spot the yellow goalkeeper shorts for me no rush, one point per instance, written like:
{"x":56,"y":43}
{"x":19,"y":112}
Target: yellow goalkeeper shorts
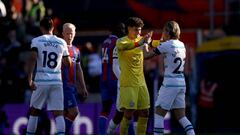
{"x":136,"y":98}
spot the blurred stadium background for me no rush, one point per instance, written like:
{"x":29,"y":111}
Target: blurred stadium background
{"x":210,"y":30}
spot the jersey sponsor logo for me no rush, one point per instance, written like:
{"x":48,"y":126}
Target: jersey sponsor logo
{"x":74,"y":59}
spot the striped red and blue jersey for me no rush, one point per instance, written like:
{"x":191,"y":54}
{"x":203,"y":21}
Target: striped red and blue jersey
{"x":107,"y":58}
{"x":69,"y":73}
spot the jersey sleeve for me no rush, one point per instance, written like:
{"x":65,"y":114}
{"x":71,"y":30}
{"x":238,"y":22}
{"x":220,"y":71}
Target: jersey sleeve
{"x":78,"y":57}
{"x":155,"y":43}
{"x":33,"y":43}
{"x":115,"y":66}
{"x":125,"y":44}
{"x":162,"y":48}
{"x":115,"y":54}
{"x":34,"y":46}
{"x":65,"y":49}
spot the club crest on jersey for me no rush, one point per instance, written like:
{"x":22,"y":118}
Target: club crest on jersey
{"x":73,"y":59}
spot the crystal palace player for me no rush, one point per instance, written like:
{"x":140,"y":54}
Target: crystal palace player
{"x":108,"y":78}
{"x":73,"y":79}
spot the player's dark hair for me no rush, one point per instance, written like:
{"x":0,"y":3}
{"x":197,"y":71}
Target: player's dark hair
{"x":134,"y":22}
{"x":118,"y":29}
{"x":173,"y":29}
{"x":46,"y":23}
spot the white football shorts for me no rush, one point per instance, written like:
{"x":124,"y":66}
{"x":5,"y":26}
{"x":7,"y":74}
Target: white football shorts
{"x":171,"y":97}
{"x":51,"y":95}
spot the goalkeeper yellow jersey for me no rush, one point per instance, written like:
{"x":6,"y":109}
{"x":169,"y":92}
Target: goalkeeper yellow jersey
{"x":130,"y":62}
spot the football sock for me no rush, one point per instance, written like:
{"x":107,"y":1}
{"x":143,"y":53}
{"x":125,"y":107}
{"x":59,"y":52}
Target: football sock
{"x":142,"y":125}
{"x":68,"y":123}
{"x":186,"y":124}
{"x":60,"y":124}
{"x":32,"y":125}
{"x":158,"y":124}
{"x":124,"y":126}
{"x":102,"y":125}
{"x":131,"y":130}
{"x":111,"y":127}
{"x":135,"y":126}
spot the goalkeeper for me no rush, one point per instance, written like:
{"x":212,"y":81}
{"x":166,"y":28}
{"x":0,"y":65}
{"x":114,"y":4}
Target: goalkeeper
{"x":134,"y":94}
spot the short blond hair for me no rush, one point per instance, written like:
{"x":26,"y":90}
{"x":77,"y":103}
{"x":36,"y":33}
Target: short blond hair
{"x":69,"y":25}
{"x":173,"y":29}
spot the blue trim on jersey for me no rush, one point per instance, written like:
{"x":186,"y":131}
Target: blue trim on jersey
{"x":172,"y":85}
{"x":30,"y":133}
{"x":41,"y":80}
{"x":49,"y":71}
{"x":174,"y":76}
{"x":178,"y":47}
{"x":53,"y":42}
{"x":61,"y":133}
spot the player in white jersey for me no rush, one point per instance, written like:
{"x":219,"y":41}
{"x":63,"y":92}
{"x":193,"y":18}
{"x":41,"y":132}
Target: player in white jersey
{"x":119,"y":114}
{"x":116,"y":70}
{"x":172,"y":92}
{"x":48,"y":52}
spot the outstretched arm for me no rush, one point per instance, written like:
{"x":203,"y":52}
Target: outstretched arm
{"x":128,"y":45}
{"x":150,"y":54}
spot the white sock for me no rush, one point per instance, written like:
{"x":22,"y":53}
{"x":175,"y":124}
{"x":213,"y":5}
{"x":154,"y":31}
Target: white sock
{"x":60,"y":124}
{"x":158,"y":124}
{"x":186,"y":124}
{"x":32,"y":124}
{"x":135,"y":127}
{"x":111,"y":127}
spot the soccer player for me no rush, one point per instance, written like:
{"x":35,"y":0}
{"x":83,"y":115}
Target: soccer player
{"x":73,"y":79}
{"x":134,"y":94}
{"x":48,"y":52}
{"x":108,"y":78}
{"x":118,"y":114}
{"x":115,"y":121}
{"x":172,"y":92}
